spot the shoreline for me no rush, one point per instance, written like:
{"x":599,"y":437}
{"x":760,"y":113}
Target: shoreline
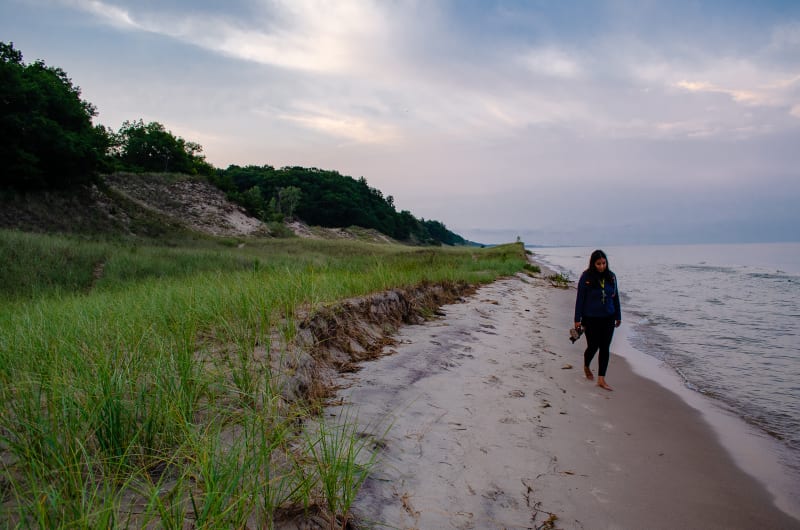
{"x":752,"y":450}
{"x":494,"y":426}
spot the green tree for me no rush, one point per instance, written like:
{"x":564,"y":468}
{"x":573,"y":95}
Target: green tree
{"x":439,"y":232}
{"x":406,"y":225}
{"x":253,"y":201}
{"x":288,"y":199}
{"x":47,"y":139}
{"x":151,"y":147}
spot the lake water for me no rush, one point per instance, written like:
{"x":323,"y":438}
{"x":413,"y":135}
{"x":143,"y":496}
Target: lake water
{"x":726,"y":318}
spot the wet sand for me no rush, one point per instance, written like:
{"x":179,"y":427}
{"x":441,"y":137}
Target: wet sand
{"x":493,"y":425}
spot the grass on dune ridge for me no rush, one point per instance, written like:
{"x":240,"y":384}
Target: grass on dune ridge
{"x":136,"y":389}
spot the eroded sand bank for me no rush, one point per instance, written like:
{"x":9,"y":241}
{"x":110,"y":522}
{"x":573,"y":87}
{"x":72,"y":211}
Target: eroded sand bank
{"x":492,"y":428}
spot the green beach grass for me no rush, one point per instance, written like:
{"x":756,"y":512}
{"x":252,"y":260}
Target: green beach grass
{"x":135,"y":389}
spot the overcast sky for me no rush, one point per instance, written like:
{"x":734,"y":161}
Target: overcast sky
{"x":563,"y":122}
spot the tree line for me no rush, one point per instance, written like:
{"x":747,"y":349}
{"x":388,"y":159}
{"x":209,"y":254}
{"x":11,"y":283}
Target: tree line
{"x":48,"y":141}
{"x":327,"y":198}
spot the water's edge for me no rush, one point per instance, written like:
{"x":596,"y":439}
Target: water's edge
{"x":755,"y":452}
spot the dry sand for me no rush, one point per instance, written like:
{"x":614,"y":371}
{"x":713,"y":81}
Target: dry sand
{"x":493,"y":425}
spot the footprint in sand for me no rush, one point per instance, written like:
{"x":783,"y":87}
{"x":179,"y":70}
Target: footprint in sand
{"x":500,"y":497}
{"x":599,"y":495}
{"x":493,"y":380}
{"x":614,"y":467}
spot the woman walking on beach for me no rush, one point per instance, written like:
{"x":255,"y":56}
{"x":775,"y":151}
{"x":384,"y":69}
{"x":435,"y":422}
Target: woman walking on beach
{"x":598,"y":312}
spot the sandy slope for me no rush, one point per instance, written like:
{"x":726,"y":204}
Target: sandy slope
{"x":492,"y":428}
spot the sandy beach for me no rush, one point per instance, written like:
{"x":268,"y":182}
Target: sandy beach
{"x":492,"y":424}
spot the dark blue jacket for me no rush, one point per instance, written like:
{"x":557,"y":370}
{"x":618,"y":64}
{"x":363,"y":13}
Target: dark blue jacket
{"x":592,"y":303}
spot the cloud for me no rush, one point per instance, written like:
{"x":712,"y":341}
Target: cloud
{"x":422,"y":75}
{"x":115,"y":16}
{"x":306,"y":35}
{"x":326,"y":37}
{"x":785,"y":37}
{"x":738,"y":95}
{"x":765,"y":90}
{"x":339,"y":125}
{"x":550,"y":62}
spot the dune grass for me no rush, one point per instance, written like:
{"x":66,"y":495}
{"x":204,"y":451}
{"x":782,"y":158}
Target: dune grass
{"x":135,"y":389}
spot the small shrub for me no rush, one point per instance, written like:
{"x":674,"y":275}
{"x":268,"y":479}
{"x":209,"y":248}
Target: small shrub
{"x":280,"y":230}
{"x":559,"y":280}
{"x":532,"y":268}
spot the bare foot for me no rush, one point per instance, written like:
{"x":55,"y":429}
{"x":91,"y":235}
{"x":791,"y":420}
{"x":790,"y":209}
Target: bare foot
{"x":588,"y":372}
{"x":601,"y":382}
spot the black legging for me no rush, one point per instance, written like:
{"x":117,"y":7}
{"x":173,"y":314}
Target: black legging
{"x":599,"y":332}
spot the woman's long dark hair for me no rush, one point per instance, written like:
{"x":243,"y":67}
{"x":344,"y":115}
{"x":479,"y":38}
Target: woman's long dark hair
{"x":593,"y":273}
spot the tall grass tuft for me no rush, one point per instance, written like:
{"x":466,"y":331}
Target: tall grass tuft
{"x":343,"y":458}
